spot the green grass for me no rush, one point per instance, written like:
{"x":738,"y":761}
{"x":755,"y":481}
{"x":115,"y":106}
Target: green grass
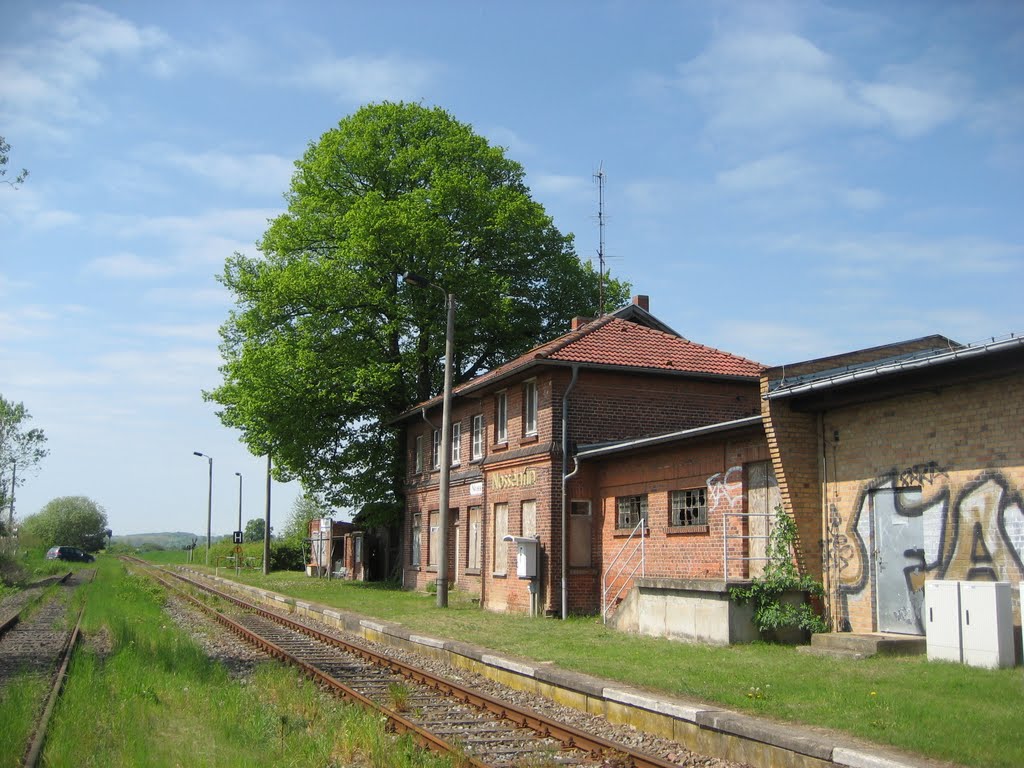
{"x":141,"y":693}
{"x":930,"y":708}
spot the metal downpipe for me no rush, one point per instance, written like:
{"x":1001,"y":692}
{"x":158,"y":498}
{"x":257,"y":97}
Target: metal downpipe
{"x":565,"y":482}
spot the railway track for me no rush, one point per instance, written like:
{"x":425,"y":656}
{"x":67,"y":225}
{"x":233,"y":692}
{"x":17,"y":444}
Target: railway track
{"x":479,"y":730}
{"x":37,"y":640}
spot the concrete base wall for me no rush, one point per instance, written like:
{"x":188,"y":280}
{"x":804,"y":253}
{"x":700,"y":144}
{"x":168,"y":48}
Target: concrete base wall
{"x":685,"y":609}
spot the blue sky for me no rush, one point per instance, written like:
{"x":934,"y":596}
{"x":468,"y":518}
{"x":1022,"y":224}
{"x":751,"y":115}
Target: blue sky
{"x":785,"y":180}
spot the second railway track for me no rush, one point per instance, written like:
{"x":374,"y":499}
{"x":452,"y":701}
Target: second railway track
{"x":440,"y":714}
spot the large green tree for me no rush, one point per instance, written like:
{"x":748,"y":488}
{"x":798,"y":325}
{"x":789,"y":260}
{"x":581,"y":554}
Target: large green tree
{"x":68,"y":520}
{"x":327,"y":342}
{"x":21,"y":448}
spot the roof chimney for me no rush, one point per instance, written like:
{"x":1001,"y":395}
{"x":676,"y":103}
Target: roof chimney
{"x":644,"y":302}
{"x":578,"y":322}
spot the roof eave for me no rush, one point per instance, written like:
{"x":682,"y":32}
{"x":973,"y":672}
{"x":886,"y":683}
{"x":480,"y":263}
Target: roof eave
{"x":599,"y":450}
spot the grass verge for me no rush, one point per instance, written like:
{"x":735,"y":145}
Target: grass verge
{"x":907,"y":703}
{"x":141,"y":693}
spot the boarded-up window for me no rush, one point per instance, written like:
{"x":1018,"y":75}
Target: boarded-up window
{"x":580,"y":534}
{"x":530,"y":518}
{"x":475,"y":517}
{"x":762,"y":499}
{"x":500,"y":532}
{"x":416,"y":540}
{"x":432,"y":544}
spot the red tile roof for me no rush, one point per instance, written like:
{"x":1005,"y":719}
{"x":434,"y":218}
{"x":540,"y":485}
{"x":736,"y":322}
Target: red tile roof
{"x":622,"y":343}
{"x":610,"y":341}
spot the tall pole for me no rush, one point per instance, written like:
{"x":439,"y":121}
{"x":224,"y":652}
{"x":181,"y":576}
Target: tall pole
{"x":266,"y":526}
{"x":209,"y":503}
{"x":239,"y":501}
{"x":14,"y":480}
{"x":446,"y":456}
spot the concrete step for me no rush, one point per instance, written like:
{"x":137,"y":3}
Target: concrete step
{"x":868,"y":644}
{"x":835,"y":653}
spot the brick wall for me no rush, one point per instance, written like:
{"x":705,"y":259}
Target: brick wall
{"x":962,"y":447}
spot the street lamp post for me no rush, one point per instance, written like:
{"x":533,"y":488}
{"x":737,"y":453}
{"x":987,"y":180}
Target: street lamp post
{"x":209,"y":503}
{"x":446,"y":437}
{"x":239,"y":500}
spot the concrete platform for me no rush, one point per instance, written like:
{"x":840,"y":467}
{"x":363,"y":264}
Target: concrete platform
{"x":704,"y":728}
{"x":849,"y":645}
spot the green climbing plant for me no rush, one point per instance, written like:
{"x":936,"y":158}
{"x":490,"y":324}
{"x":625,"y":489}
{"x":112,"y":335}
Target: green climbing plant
{"x":780,"y":577}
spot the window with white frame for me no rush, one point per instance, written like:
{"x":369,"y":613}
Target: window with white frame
{"x":417,"y":541}
{"x":501,"y":417}
{"x":477,"y":449}
{"x":456,"y":443}
{"x":475,"y":543}
{"x":631,"y":510}
{"x":418,"y":459}
{"x":530,"y":408}
{"x":432,"y":543}
{"x":500,"y":532}
{"x":688,"y":508}
{"x":435,"y":453}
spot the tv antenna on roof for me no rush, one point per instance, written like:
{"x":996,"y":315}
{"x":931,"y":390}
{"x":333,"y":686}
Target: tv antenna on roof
{"x":599,"y":176}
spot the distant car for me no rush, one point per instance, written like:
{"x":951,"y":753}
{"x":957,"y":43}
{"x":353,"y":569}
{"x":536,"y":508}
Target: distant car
{"x":71,"y":554}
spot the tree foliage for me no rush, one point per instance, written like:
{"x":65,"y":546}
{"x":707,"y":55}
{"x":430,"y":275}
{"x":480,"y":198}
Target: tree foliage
{"x":305,"y":508}
{"x":20,"y":445}
{"x":254,"y":529}
{"x":5,"y":151}
{"x":68,"y":520}
{"x":327,"y":343}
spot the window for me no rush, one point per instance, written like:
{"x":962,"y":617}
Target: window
{"x":416,"y":541}
{"x":435,"y":461}
{"x":418,"y":460}
{"x":530,"y":518}
{"x":456,"y":443}
{"x":475,"y":516}
{"x":530,"y":408}
{"x":432,"y":542}
{"x":477,"y":450}
{"x":501,"y":417}
{"x":580,"y":534}
{"x":632,"y":509}
{"x":688,"y":508}
{"x":357,"y":549}
{"x":500,"y":532}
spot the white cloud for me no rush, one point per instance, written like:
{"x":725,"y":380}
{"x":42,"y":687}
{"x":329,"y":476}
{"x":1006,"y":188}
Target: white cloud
{"x":208,"y":332}
{"x":257,"y":174}
{"x":550,"y":184}
{"x":777,"y":86}
{"x":366,"y":78}
{"x":128,"y":266}
{"x":782,"y":169}
{"x":861,"y":198}
{"x":45,"y":84}
{"x":512,"y":141}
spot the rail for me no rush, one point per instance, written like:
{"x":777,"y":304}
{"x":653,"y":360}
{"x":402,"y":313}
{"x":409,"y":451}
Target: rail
{"x":606,"y":586}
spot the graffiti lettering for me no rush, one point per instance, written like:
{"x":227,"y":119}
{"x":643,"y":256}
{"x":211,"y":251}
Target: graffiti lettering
{"x":920,"y":474}
{"x":978,"y":536}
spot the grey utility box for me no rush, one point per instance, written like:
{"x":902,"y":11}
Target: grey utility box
{"x":526,"y":556}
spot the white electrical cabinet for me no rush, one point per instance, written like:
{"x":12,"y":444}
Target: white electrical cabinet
{"x":986,"y":615}
{"x":969,"y":622}
{"x":942,"y":620}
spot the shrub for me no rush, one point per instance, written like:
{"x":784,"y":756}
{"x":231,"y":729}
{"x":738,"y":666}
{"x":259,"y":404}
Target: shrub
{"x":781,"y":577}
{"x":286,"y":556}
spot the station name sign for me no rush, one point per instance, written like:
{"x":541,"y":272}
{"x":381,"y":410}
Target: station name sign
{"x":522,"y":479}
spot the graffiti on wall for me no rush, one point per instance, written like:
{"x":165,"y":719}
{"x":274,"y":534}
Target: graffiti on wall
{"x":725,"y":490}
{"x":921,"y":527}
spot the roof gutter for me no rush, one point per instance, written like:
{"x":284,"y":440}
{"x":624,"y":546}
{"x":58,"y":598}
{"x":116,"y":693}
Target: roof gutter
{"x":605,"y":449}
{"x":893,"y":368}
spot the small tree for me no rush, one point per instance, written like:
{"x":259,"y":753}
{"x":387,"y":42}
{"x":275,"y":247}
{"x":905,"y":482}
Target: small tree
{"x":21,"y":448}
{"x":5,"y":150}
{"x":254,"y":529}
{"x":305,"y":508}
{"x":780,"y":577}
{"x":68,"y":520}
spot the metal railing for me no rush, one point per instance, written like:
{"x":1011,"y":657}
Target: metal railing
{"x":606,"y":586}
{"x":746,"y":539}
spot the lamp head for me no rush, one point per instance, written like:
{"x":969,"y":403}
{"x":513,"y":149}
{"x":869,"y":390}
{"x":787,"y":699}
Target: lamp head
{"x":415,"y":279}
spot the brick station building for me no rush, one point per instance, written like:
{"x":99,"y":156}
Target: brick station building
{"x":657,"y":428}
